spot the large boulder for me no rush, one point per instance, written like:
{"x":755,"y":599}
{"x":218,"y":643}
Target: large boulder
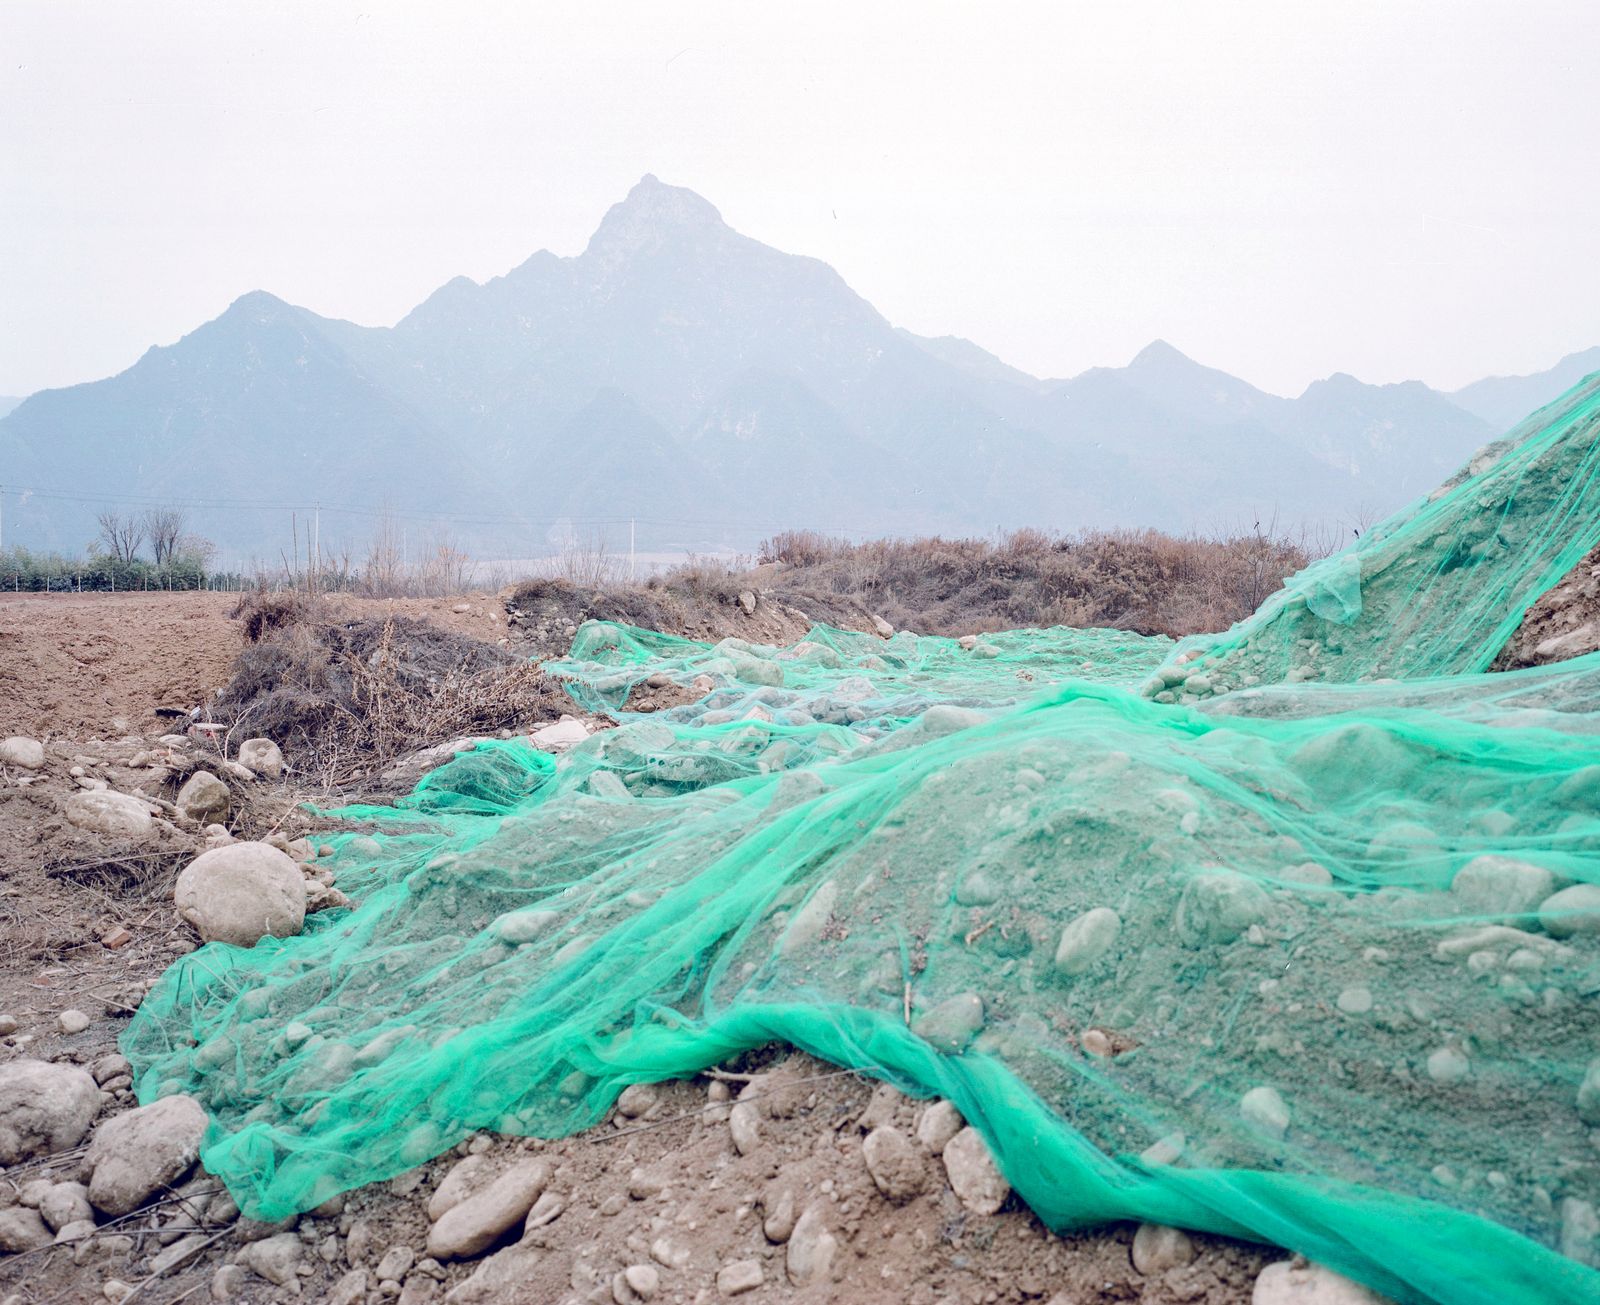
{"x":44,"y":1108}
{"x":242,"y":893}
{"x":21,"y":751}
{"x":1499,"y":889}
{"x":137,"y":1155}
{"x":204,"y":798}
{"x":263,"y":756}
{"x":477,"y":1223}
{"x":115,"y":815}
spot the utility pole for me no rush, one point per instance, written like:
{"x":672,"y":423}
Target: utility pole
{"x":630,"y":548}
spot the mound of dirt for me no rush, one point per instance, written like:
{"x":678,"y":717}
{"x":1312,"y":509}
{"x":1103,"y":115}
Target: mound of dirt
{"x":545,"y":614}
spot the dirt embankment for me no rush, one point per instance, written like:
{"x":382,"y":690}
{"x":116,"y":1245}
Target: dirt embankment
{"x":709,"y":605}
{"x":1565,"y":623}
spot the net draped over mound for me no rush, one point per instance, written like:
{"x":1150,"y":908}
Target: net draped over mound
{"x":1436,"y":589}
{"x":1311,"y":963}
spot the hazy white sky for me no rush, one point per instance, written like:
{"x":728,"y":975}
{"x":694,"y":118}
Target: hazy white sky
{"x":1279,"y":189}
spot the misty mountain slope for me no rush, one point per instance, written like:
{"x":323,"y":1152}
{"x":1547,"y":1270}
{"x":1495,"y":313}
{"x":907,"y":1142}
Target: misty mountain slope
{"x":710,"y":387}
{"x":775,"y":445}
{"x":1503,"y":401}
{"x":1212,"y":469}
{"x":256,"y":405}
{"x":1393,"y":440}
{"x":572,"y":475}
{"x":1191,"y":390}
{"x":974,"y":360}
{"x":667,"y":303}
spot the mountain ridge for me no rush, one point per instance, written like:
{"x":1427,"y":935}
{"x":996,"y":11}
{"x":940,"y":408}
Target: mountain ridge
{"x":749,"y":390}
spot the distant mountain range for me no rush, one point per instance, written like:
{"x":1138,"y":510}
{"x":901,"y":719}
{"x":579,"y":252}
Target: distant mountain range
{"x":713,"y":390}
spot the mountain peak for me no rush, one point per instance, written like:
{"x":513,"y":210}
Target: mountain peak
{"x":259,"y":306}
{"x":258,"y":301}
{"x":652,"y":212}
{"x":1158,"y":353}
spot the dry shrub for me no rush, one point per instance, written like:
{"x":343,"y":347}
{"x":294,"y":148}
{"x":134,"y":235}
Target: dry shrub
{"x":344,"y":697}
{"x":265,"y":611}
{"x":799,"y":547}
{"x":559,"y":602}
{"x":707,"y":579}
{"x":1140,"y":580}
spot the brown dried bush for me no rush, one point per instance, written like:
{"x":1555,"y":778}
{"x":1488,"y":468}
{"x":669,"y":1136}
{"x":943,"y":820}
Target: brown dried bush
{"x":1140,"y":580}
{"x":346,"y":697}
{"x":264,"y":610}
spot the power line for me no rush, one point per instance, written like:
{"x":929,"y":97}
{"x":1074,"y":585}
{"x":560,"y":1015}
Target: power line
{"x":380,"y":511}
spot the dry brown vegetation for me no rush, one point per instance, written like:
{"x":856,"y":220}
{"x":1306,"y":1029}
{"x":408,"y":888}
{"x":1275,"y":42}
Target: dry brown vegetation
{"x":341,"y":695}
{"x":1140,"y":580}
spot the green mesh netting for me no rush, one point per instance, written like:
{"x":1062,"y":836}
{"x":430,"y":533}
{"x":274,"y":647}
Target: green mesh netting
{"x":842,"y":677}
{"x":1311,"y":963}
{"x":1436,"y":589}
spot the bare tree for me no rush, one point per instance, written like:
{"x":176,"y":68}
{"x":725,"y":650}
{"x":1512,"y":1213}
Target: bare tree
{"x":587,"y":563}
{"x":444,"y":569}
{"x":383,"y":574}
{"x":165,"y":527}
{"x":121,"y":535}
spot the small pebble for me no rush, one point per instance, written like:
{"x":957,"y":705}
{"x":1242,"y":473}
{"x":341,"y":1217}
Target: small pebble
{"x":1448,"y":1065}
{"x":637,"y":1099}
{"x":739,"y":1277}
{"x":1157,"y":1247}
{"x":1265,"y":1109}
{"x":642,"y":1280}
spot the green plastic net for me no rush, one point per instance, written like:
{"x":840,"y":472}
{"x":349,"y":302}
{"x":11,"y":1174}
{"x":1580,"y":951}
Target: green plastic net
{"x":1434,"y":590}
{"x":1313,"y":963}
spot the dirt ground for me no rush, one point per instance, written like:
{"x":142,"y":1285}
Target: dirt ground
{"x":659,"y":1195}
{"x":86,"y":664}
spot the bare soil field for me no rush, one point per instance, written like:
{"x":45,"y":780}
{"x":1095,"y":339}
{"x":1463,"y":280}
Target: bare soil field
{"x":83,"y":664}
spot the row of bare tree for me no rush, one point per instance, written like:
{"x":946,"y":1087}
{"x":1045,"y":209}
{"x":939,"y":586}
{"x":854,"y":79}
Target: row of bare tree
{"x":123,"y":534}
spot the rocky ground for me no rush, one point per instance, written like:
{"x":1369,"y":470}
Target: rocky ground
{"x":125,"y":842}
{"x":1563,"y":624}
